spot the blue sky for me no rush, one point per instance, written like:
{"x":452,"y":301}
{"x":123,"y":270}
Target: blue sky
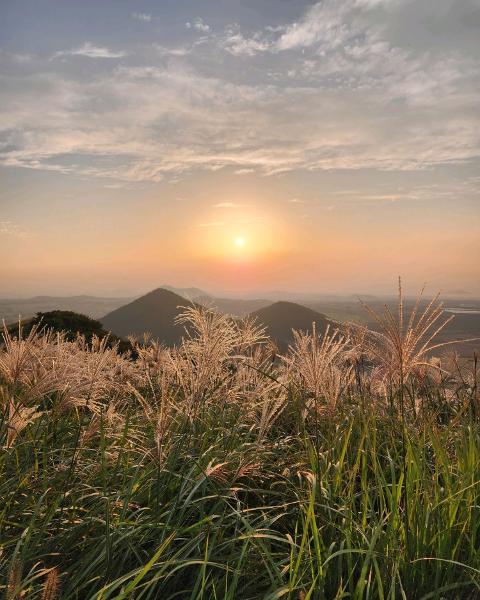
{"x":342,"y":135}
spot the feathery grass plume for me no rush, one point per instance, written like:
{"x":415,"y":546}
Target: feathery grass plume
{"x":152,"y":358}
{"x":401,"y":347}
{"x":158,"y":412}
{"x":217,"y":472}
{"x":318,"y":366}
{"x":24,"y":362}
{"x":51,"y":587}
{"x":15,"y":353}
{"x":250,"y":334}
{"x":248,"y":469}
{"x":256,"y":388}
{"x":14,"y":580}
{"x":94,"y":373}
{"x":269,"y":410}
{"x":200,"y":363}
{"x":18,"y":418}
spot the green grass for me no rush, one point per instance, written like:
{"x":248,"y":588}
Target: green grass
{"x":348,"y":507}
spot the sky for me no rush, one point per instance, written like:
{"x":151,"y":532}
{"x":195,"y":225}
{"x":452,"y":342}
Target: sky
{"x":240,"y":146}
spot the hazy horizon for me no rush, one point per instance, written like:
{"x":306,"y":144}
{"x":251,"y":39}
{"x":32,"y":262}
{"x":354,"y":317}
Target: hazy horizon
{"x":240,"y":147}
{"x":408,"y":292}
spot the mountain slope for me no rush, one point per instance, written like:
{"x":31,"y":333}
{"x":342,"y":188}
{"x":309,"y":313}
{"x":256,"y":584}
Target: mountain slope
{"x":281,"y":317}
{"x":153,"y":313}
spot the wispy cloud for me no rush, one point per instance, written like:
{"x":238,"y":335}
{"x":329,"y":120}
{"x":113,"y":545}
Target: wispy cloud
{"x":237,"y":44}
{"x":323,"y":22}
{"x":198,"y":24}
{"x":91,"y":51}
{"x":338,"y":91}
{"x":227,"y":205}
{"x":7,"y":228}
{"x":175,"y":51}
{"x":244,"y":171}
{"x":146,"y":17}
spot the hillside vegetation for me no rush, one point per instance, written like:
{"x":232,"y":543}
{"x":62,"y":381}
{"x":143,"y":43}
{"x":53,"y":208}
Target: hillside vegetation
{"x":346,"y":467}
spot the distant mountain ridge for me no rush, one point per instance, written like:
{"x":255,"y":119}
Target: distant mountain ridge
{"x":155,"y":313}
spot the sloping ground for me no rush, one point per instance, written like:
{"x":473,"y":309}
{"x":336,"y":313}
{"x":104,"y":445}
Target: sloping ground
{"x":154,"y":313}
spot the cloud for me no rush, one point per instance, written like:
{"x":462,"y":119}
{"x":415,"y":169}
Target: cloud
{"x":9,"y":229}
{"x":226,"y":205}
{"x":375,"y":3}
{"x":146,"y":17}
{"x":368,"y":102}
{"x":176,"y":51}
{"x":237,"y":44}
{"x":188,"y":121}
{"x":91,"y":51}
{"x":323,"y":22}
{"x":22,"y":58}
{"x":198,"y":24}
{"x":243,"y":171}
{"x":297,"y":201}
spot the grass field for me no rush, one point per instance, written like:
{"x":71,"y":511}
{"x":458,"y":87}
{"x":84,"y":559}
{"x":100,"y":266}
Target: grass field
{"x":348,"y":468}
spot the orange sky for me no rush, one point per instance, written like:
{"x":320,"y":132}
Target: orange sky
{"x":127,"y":246}
{"x":339,"y":139}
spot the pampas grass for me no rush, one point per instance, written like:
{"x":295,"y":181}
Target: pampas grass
{"x":347,"y":468}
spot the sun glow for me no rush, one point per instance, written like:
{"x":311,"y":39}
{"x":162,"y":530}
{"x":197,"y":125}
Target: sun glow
{"x":243,"y":237}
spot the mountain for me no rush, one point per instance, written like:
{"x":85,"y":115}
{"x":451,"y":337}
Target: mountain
{"x":281,"y":317}
{"x":153,"y":313}
{"x":93,"y":306}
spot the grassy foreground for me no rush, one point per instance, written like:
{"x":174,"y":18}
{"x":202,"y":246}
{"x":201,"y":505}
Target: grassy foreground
{"x":350,"y":468}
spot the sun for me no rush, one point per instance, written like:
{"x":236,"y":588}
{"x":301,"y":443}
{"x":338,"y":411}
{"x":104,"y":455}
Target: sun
{"x":240,"y":242}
